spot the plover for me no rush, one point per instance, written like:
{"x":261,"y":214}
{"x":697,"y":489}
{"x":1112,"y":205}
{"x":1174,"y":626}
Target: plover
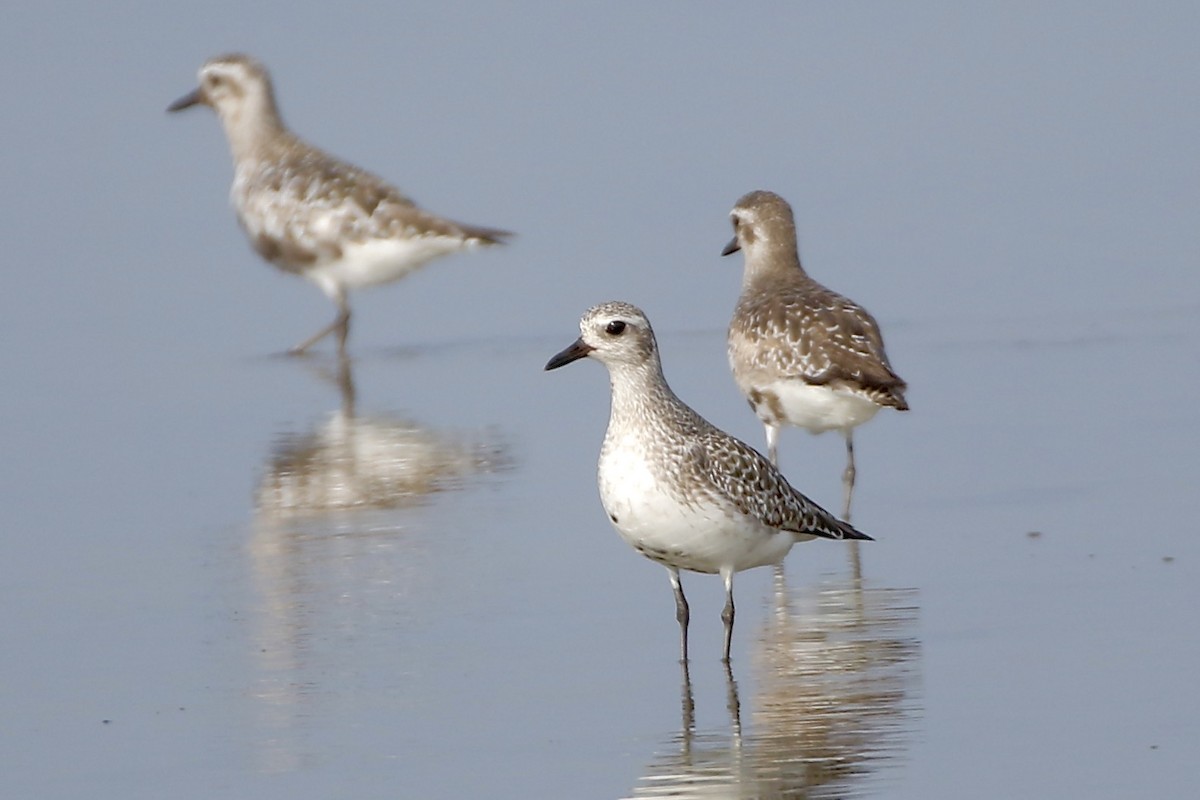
{"x":802,"y":354}
{"x":309,"y":213}
{"x":680,"y":491}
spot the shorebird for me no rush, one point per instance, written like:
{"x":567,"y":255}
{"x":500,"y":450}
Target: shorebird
{"x":680,"y":491}
{"x":801,"y":354}
{"x":311,"y":214}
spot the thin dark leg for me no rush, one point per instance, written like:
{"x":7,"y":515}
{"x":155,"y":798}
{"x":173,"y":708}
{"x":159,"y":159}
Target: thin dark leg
{"x":340,"y":325}
{"x":848,"y":476}
{"x":727,"y":613}
{"x":682,"y":614}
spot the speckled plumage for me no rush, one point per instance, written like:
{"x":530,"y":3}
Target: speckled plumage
{"x":801,"y":330}
{"x":679,"y":490}
{"x":309,"y":213}
{"x":802,"y":354}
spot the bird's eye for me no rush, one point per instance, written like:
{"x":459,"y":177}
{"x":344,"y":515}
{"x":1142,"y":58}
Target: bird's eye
{"x":214,"y":80}
{"x":615,"y":328}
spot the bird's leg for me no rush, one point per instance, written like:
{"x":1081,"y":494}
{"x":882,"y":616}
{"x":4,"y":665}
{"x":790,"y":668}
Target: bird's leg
{"x":727,"y":612}
{"x":682,"y":615}
{"x":343,"y":323}
{"x":301,"y":348}
{"x":772,"y":443}
{"x":773,"y":456}
{"x":848,"y":476}
{"x":340,"y":325}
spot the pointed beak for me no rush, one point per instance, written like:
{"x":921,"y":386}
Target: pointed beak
{"x":575,"y":352}
{"x":193,"y":98}
{"x":732,"y":247}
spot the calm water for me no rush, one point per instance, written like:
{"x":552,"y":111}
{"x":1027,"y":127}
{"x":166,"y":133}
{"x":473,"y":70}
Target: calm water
{"x":232,"y":574}
{"x":411,"y":590}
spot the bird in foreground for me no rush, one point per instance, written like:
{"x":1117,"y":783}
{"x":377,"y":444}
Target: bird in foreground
{"x":801,"y":354}
{"x":680,"y":491}
{"x":309,"y":213}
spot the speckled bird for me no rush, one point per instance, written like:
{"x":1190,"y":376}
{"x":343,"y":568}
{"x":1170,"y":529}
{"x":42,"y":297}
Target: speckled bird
{"x":802,"y":354}
{"x":311,"y":214}
{"x":680,"y":491}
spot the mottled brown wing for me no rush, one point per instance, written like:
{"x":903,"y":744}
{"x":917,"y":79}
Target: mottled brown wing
{"x":315,"y":202}
{"x":735,"y":473}
{"x":819,"y":337}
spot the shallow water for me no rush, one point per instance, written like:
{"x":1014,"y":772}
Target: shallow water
{"x":230,"y":573}
{"x":835,"y":671}
{"x":462,"y":619}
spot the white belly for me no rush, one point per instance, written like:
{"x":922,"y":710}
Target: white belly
{"x":701,"y":537}
{"x":379,"y":261}
{"x":814,"y":408}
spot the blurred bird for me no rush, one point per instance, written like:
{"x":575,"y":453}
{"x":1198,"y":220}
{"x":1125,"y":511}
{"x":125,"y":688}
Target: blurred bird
{"x":311,"y":214}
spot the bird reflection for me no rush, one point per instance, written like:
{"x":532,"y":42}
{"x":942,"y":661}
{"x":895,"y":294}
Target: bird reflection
{"x":366,"y":462}
{"x":833,"y":701}
{"x":329,"y":554}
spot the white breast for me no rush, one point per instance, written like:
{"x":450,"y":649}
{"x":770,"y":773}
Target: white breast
{"x":701,"y":536}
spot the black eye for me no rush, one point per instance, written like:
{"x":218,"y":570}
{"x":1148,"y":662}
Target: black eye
{"x":616,"y":327}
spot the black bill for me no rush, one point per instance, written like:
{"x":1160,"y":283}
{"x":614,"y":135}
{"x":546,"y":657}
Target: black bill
{"x":187,"y":101}
{"x":576,"y":351}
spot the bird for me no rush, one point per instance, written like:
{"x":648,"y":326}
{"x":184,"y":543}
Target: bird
{"x":676,"y":488}
{"x":309,"y":213}
{"x":802,"y":354}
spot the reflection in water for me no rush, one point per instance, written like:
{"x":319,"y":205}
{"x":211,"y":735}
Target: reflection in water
{"x":834,"y":700}
{"x":329,"y":556}
{"x":356,"y":462}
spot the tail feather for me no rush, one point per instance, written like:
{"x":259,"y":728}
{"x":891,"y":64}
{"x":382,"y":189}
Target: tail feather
{"x":827,"y":526}
{"x":850,"y":532}
{"x":898,"y":401}
{"x":485,"y":235}
{"x":890,"y":396}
